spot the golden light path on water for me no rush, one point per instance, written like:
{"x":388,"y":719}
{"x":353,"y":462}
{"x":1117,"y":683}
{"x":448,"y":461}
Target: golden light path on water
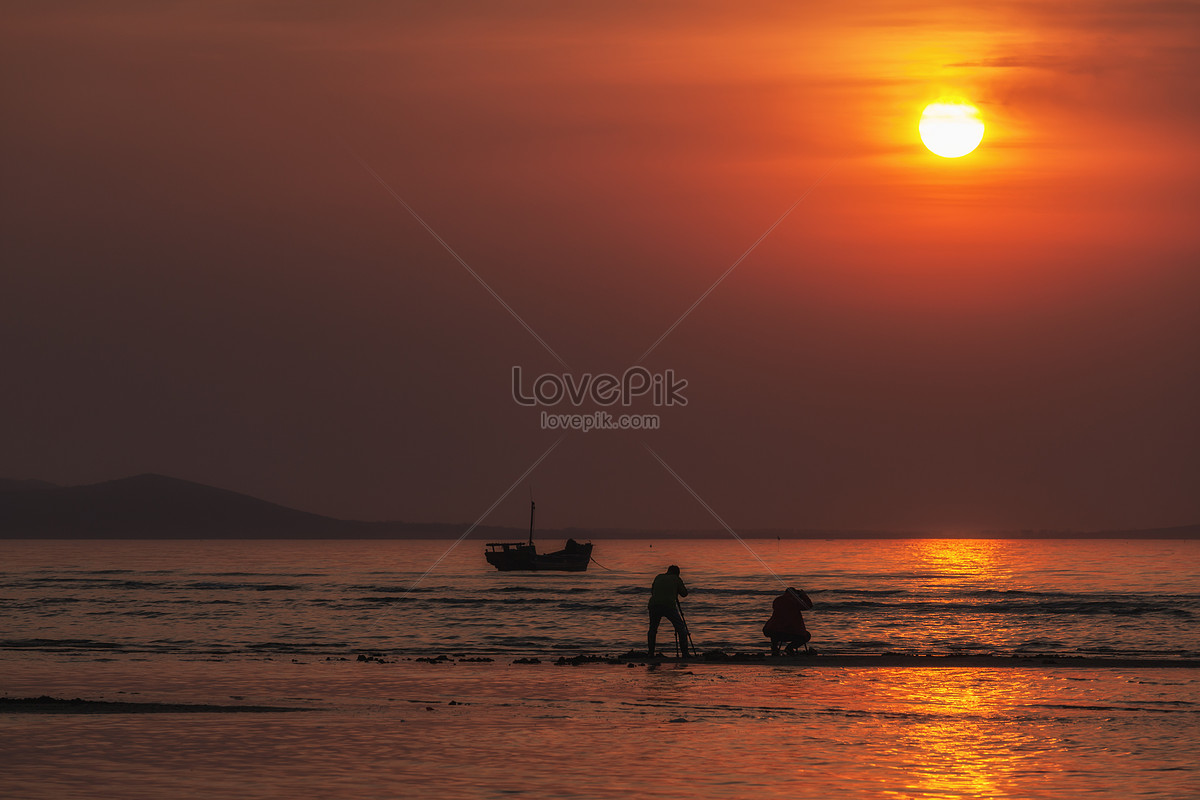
{"x":961,"y":756}
{"x":959,"y":560}
{"x":931,"y":733}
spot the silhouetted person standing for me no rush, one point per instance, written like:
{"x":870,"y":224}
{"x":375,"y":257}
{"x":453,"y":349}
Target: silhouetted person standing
{"x":664,"y":602}
{"x":786,"y":624}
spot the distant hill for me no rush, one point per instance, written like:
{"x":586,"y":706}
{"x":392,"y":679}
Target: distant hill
{"x":158,"y":507}
{"x":10,"y":485}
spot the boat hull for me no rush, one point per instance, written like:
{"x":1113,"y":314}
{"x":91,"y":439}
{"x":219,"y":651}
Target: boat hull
{"x":521,"y":557}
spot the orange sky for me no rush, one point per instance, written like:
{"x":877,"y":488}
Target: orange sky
{"x":201,"y":280}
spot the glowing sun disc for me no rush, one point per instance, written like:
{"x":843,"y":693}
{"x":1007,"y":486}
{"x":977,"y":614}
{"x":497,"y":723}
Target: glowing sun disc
{"x":951,"y":130}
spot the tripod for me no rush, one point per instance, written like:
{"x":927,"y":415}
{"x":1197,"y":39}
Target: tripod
{"x":687,"y":632}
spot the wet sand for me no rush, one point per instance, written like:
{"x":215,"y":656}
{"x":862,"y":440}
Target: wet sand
{"x":889,"y":660}
{"x":453,"y":728}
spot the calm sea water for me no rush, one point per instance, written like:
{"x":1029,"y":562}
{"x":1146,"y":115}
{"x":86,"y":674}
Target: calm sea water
{"x":326,"y":598}
{"x":269,"y":622}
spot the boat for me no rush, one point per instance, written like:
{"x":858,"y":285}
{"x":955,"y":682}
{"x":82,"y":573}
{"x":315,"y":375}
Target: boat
{"x":523,"y":556}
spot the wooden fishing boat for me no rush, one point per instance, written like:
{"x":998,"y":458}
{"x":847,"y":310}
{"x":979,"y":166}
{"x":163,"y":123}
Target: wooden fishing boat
{"x":523,"y":556}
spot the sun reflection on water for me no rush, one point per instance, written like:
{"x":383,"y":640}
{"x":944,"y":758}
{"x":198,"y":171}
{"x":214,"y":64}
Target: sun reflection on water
{"x":930,"y":733}
{"x":957,"y":730}
{"x":958,"y":575}
{"x":975,"y":560}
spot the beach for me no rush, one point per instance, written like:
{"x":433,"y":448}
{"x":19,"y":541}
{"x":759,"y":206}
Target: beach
{"x":181,"y":699}
{"x":471,"y":730}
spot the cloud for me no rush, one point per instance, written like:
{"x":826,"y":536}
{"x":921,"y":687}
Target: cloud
{"x":1031,"y":61}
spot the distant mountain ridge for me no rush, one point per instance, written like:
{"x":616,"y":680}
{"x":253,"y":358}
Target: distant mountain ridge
{"x":151,"y":506}
{"x":154,"y":506}
{"x":10,"y":485}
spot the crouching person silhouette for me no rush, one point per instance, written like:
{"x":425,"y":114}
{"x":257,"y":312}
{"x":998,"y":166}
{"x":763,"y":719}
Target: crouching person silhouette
{"x":786,"y":625}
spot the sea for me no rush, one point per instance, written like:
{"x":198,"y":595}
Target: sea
{"x":424,"y":672}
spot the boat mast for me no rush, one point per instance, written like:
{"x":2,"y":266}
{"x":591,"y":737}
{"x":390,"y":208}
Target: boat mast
{"x":531,"y":508}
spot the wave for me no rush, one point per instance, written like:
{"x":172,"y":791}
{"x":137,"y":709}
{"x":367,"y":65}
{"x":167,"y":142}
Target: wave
{"x":259,"y":574}
{"x":543,"y":590}
{"x":1128,"y":706}
{"x":41,"y":644}
{"x":86,"y":645}
{"x":314,"y":646}
{"x":1074,"y":607}
{"x":258,"y":587}
{"x":85,"y":583}
{"x":608,"y":607}
{"x":458,"y":601}
{"x":394,"y":588}
{"x":78,"y":584}
{"x":78,"y":571}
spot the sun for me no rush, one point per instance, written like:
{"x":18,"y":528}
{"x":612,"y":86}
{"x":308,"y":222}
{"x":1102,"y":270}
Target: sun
{"x":951,"y":129}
